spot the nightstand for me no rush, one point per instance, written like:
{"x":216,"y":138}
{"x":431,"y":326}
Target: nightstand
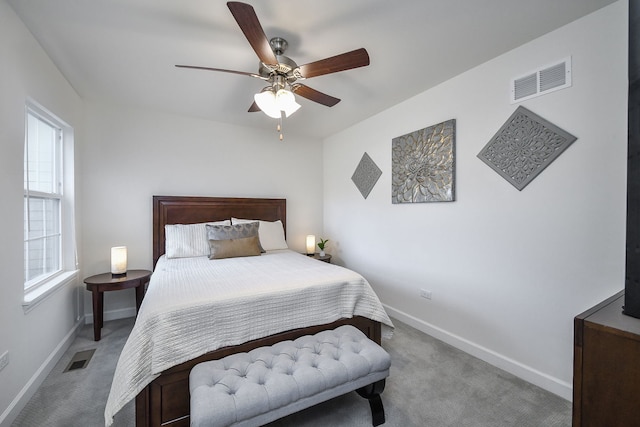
{"x":101,"y":283}
{"x":326,"y":257}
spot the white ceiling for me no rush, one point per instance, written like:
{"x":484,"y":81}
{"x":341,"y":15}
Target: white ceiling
{"x":124,"y":51}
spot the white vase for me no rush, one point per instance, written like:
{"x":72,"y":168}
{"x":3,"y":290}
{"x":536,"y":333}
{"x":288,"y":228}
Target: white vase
{"x":321,"y":252}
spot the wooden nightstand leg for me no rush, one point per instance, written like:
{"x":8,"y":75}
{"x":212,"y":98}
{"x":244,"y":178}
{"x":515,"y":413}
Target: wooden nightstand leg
{"x":98,"y":299}
{"x":139,"y":294}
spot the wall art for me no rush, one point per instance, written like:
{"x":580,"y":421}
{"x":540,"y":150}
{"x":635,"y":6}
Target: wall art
{"x":366,"y":175}
{"x":524,"y":146}
{"x":423,"y":165}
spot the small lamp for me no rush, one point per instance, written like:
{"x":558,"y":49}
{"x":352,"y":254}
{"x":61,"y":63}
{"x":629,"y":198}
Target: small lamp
{"x":311,"y":244}
{"x":119,"y":261}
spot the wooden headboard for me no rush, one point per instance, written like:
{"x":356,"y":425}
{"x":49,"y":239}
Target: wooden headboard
{"x":193,"y":210}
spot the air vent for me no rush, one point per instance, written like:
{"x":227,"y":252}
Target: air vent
{"x":80,"y":360}
{"x":541,"y":81}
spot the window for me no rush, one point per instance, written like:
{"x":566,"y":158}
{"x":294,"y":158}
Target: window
{"x":46,"y":208}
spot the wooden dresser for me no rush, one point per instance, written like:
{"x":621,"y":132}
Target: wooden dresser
{"x":606,"y":366}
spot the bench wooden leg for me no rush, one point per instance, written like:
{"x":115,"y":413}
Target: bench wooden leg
{"x":372,"y":392}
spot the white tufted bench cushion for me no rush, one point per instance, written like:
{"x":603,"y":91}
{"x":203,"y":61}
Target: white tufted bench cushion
{"x":255,"y":388}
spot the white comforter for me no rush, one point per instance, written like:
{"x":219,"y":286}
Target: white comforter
{"x":197,"y":305}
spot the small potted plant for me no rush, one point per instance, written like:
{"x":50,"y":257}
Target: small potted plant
{"x":321,"y":244}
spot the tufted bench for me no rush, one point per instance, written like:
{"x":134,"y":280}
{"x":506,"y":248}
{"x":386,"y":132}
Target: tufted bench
{"x":255,"y":388}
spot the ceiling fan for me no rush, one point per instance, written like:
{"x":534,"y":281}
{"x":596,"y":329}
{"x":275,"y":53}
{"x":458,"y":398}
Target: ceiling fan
{"x":282,"y":73}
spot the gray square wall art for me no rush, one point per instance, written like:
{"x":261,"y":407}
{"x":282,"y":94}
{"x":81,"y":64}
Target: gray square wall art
{"x":524,"y":146}
{"x":423,"y":165}
{"x":366,"y":175}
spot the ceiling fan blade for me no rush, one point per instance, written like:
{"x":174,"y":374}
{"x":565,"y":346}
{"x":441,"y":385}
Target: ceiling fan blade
{"x":346,"y":61}
{"x":248,"y":21}
{"x":254,"y":107}
{"x":258,"y":76}
{"x":314,"y":95}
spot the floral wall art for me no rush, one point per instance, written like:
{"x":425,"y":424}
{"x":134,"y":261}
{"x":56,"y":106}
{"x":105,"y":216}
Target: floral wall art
{"x":423,"y":165}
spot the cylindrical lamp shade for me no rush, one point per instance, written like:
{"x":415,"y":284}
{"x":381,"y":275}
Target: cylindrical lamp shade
{"x":311,"y":244}
{"x":119,"y":260}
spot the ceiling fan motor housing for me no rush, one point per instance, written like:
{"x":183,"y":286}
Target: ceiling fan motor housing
{"x":285,"y":67}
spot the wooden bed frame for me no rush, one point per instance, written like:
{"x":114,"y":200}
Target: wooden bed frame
{"x":165,"y":401}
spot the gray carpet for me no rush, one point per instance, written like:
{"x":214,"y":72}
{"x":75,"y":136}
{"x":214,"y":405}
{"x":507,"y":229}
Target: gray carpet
{"x":431,"y":384}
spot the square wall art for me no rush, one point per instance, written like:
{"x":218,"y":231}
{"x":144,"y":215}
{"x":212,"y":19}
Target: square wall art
{"x":366,"y":175}
{"x":423,"y":165}
{"x":524,"y":146}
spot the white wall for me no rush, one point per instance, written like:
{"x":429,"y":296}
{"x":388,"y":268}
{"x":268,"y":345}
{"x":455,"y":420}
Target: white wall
{"x":35,"y":339}
{"x":132,"y":155}
{"x":508,"y":270}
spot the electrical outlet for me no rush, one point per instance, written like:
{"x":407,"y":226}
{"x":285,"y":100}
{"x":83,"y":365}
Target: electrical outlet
{"x":425,"y":294}
{"x":4,"y":360}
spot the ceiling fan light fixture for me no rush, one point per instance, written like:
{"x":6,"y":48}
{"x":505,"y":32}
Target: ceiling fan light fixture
{"x":286,"y":102}
{"x":273,"y":104}
{"x":266,"y":101}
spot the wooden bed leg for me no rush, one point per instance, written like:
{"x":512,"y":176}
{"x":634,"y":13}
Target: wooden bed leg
{"x":372,"y":392}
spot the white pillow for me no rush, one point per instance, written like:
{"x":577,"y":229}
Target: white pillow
{"x":271,"y":233}
{"x":188,"y":240}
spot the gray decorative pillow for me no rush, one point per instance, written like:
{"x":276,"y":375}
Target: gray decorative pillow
{"x":232,"y":248}
{"x":236,"y":231}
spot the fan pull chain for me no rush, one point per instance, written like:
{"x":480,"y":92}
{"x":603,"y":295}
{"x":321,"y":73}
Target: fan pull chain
{"x":279,"y":127}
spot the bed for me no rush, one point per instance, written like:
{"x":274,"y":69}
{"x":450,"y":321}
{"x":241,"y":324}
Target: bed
{"x":161,"y":386}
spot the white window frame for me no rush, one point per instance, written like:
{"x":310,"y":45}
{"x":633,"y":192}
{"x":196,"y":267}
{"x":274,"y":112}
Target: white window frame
{"x":37,"y":289}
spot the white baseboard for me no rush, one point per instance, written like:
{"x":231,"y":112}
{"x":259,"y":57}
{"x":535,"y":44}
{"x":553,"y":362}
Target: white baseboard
{"x":547,"y":382}
{"x":30,"y":388}
{"x":122,"y":313}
